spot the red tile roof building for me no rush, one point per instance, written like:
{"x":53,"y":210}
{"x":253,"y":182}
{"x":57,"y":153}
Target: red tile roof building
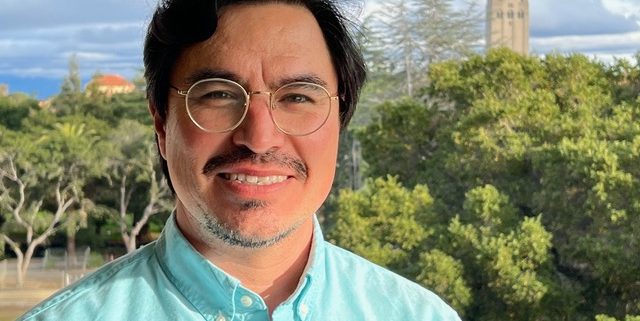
{"x":111,"y":84}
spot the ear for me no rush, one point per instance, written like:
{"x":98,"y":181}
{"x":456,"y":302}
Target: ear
{"x":159,"y":126}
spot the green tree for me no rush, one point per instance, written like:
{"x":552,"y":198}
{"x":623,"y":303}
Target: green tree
{"x":416,"y":33}
{"x":447,"y":32}
{"x":390,"y":143}
{"x":602,"y":317}
{"x":445,"y":275}
{"x":15,"y":108}
{"x":118,"y":107}
{"x":396,"y":227}
{"x":625,"y":75}
{"x":133,"y":171}
{"x":556,"y":136}
{"x":382,"y":220}
{"x":71,"y":97}
{"x":76,"y":137}
{"x":139,"y":81}
{"x":72,"y":83}
{"x":487,"y":262}
{"x":502,"y":254}
{"x":381,"y":83}
{"x":42,"y":175}
{"x":402,"y":40}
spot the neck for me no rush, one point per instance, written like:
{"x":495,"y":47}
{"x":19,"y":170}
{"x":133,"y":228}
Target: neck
{"x":272,"y":272}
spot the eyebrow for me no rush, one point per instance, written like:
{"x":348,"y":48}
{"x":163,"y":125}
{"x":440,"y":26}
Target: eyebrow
{"x":310,"y":78}
{"x":207,"y":73}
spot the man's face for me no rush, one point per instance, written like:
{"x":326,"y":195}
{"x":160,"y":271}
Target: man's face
{"x":264,"y":183}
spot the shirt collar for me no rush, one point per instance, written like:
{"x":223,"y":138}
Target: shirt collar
{"x":212,"y":291}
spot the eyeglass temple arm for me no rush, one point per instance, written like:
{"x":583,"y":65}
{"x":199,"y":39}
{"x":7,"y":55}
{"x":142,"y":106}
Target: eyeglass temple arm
{"x":180,"y":92}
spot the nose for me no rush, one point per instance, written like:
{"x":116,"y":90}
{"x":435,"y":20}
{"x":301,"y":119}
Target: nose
{"x":257,"y":131}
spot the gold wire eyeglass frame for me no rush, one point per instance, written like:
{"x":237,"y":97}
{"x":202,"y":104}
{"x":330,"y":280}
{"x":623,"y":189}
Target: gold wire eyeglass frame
{"x":246,"y":106}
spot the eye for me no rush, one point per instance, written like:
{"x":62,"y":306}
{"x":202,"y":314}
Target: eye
{"x":218,"y":94}
{"x":296,"y":98}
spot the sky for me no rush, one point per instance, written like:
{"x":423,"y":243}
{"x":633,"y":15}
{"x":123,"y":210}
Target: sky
{"x":37,"y":37}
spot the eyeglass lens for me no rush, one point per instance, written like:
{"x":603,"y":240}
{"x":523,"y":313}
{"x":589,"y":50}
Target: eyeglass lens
{"x":220,"y":105}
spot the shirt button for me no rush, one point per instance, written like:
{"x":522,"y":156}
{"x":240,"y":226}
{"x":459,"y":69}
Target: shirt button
{"x":221,"y":317}
{"x":304,"y":310}
{"x":246,"y":300}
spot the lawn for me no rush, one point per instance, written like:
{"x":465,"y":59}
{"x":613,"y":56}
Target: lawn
{"x":40,"y":283}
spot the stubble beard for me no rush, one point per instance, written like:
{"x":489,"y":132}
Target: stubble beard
{"x":214,"y":230}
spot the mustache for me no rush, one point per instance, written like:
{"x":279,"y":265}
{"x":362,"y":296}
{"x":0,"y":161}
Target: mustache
{"x":244,"y":154}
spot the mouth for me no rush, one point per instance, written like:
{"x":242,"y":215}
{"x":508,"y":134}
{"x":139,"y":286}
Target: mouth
{"x":253,"y":180}
{"x":244,"y":157}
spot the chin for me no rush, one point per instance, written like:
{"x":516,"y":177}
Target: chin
{"x":253,"y":225}
{"x":251,"y":234}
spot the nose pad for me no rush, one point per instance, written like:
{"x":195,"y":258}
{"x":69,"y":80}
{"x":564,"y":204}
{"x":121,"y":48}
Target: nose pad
{"x":257,"y":131}
{"x":267,"y":97}
{"x":260,"y":105}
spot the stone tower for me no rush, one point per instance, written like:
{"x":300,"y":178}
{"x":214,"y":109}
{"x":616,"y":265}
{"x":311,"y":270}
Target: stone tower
{"x":508,"y":25}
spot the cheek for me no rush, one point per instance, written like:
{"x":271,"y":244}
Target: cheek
{"x":183,"y":156}
{"x":329,"y":153}
{"x":321,"y":156}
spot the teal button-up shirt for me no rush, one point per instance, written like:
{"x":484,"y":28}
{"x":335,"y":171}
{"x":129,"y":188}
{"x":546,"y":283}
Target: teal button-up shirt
{"x":169,"y":280}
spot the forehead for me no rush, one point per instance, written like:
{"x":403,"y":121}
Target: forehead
{"x":261,"y":41}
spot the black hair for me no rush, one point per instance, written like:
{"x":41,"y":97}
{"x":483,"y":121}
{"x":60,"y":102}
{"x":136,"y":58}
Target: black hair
{"x":177,"y":24}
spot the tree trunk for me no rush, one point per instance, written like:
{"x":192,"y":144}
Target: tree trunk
{"x":21,"y":272}
{"x":408,"y":66}
{"x":71,"y":250}
{"x":15,"y":247}
{"x":129,"y":241}
{"x":131,"y":244}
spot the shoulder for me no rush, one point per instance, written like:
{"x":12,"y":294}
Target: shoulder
{"x":374,"y":291}
{"x":104,"y":288}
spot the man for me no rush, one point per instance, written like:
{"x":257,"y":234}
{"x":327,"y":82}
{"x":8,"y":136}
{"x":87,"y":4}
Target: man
{"x":248,"y":99}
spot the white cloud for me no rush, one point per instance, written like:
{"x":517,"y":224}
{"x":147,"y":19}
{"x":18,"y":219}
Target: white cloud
{"x":626,"y":8}
{"x":370,"y":7}
{"x":93,"y":56}
{"x":52,"y":73}
{"x":15,"y":48}
{"x":611,"y":58}
{"x":44,"y":51}
{"x":629,"y":41}
{"x":18,"y":15}
{"x":606,"y":48}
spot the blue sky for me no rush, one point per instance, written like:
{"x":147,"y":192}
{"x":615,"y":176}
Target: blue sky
{"x":37,"y":37}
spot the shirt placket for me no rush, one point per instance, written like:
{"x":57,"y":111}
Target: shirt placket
{"x":244,"y":305}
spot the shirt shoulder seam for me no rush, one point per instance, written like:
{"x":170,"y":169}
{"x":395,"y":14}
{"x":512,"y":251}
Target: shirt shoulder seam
{"x":92,"y":280}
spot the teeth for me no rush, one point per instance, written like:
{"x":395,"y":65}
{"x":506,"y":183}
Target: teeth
{"x":255,"y":180}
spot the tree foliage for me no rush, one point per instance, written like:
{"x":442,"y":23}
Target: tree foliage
{"x":540,"y":152}
{"x":406,"y":36}
{"x":43,"y":173}
{"x":486,"y":259}
{"x":382,"y":221}
{"x":15,"y":108}
{"x":133,"y":169}
{"x":63,"y":168}
{"x":399,"y":43}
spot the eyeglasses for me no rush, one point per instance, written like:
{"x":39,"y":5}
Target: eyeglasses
{"x":219,"y":105}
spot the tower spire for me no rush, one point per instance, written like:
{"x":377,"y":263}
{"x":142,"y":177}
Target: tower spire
{"x":508,"y":25}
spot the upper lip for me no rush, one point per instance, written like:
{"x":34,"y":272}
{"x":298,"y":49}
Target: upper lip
{"x":255,"y":171}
